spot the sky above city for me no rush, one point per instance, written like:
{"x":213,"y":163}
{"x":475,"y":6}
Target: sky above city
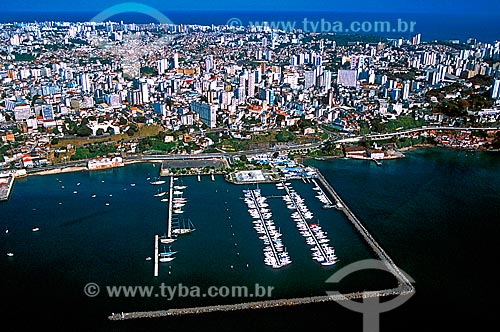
{"x":382,"y":6}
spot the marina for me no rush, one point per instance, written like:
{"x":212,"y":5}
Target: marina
{"x":215,"y":245}
{"x":274,"y":253}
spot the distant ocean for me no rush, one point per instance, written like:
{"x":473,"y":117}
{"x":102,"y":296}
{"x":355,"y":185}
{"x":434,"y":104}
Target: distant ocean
{"x":432,"y":26}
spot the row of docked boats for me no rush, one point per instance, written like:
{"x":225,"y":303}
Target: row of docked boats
{"x":314,"y":235}
{"x":275,"y":254}
{"x":327,"y":203}
{"x":166,"y":256}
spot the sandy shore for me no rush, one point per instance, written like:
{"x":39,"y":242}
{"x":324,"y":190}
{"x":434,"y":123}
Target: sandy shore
{"x":60,"y":170}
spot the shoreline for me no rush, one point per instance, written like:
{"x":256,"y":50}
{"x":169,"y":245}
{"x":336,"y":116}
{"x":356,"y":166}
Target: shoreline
{"x":69,"y":169}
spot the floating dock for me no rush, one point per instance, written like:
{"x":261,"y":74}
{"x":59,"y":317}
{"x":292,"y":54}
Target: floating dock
{"x":156,"y":256}
{"x":267,"y":224}
{"x":170,"y":201}
{"x":327,"y":258}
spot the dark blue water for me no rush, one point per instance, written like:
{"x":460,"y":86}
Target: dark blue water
{"x":434,"y":212}
{"x":85,"y":240}
{"x":432,"y":26}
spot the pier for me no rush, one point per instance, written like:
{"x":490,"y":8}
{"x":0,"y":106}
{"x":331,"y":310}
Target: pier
{"x":170,"y":199}
{"x":156,"y":256}
{"x":327,"y":258}
{"x":404,"y":284}
{"x":254,"y":199}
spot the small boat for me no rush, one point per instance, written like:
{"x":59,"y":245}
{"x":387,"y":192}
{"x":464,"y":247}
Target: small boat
{"x":160,"y":194}
{"x":167,"y":240}
{"x":132,"y":184}
{"x":10,"y":254}
{"x":180,"y":187}
{"x":164,"y":199}
{"x":75,"y":192}
{"x":148,"y":258}
{"x":184,"y":227}
{"x":78,"y":184}
{"x":166,"y":259}
{"x":168,"y":253}
{"x":36,"y":229}
{"x":157,"y":182}
{"x":107,"y":204}
{"x":177,"y":192}
{"x":94,"y":196}
{"x":6,"y":230}
{"x":178,"y":211}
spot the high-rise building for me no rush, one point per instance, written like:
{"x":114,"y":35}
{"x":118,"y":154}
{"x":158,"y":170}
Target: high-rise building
{"x":251,"y":85}
{"x":495,"y":91}
{"x":85,"y":82}
{"x":396,"y":93}
{"x":209,"y":63}
{"x":145,"y":92}
{"x":327,"y":79}
{"x":310,"y":79}
{"x":347,"y":78}
{"x":416,"y":39}
{"x":162,"y":66}
{"x":176,"y":60}
{"x":406,"y":90}
{"x":206,"y":112}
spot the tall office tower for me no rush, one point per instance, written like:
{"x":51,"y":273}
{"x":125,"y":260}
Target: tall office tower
{"x":242,"y":93}
{"x":209,"y":63}
{"x":161,"y":66}
{"x":176,"y":60}
{"x":145,"y":92}
{"x":327,"y":79}
{"x":406,"y":90}
{"x":85,"y":82}
{"x":310,"y":79}
{"x":251,"y":84}
{"x":495,"y":92}
{"x":416,"y":39}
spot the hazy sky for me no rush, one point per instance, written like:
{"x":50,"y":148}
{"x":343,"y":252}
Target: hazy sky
{"x":410,"y":6}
